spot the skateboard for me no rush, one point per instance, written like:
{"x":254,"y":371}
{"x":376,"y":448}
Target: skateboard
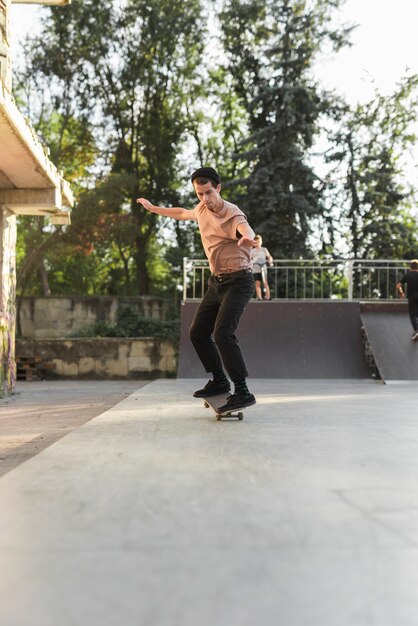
{"x":214,"y":402}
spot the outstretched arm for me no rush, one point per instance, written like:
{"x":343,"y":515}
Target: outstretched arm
{"x":175,"y":212}
{"x":247,"y":235}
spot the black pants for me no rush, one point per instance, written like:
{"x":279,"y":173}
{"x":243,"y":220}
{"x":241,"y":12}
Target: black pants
{"x":218,"y":315}
{"x":413,"y":311}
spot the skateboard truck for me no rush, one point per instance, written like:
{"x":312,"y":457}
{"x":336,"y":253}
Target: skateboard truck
{"x":215,"y":402}
{"x":229,"y":415}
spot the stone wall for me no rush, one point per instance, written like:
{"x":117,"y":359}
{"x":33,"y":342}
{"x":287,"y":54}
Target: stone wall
{"x":100,"y":358}
{"x":50,"y":317}
{"x":7,"y":299}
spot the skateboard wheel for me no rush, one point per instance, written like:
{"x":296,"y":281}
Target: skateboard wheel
{"x":218,"y":418}
{"x":206,"y":405}
{"x":240,"y":416}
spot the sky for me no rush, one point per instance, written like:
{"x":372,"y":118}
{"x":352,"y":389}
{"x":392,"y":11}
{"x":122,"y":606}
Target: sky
{"x":385,"y":43}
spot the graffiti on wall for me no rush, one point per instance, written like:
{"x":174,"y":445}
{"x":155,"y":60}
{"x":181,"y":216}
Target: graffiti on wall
{"x":7,"y":302}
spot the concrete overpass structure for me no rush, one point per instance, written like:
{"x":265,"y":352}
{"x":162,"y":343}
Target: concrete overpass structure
{"x":30,"y":184}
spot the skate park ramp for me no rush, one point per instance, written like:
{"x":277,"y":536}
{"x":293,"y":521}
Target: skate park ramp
{"x":290,"y":340}
{"x":389,"y":331}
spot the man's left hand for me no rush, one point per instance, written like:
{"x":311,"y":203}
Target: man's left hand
{"x":246,"y":241}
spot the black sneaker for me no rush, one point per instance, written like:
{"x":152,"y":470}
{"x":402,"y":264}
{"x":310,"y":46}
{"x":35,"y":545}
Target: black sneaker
{"x":212,"y":388}
{"x":236,"y":402}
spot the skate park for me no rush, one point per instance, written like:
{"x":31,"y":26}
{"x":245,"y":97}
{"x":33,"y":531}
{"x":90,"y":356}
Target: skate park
{"x":153,"y":512}
{"x":320,"y":340}
{"x":124,"y":501}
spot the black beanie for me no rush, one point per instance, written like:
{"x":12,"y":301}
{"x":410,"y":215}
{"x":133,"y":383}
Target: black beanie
{"x":207,"y":172}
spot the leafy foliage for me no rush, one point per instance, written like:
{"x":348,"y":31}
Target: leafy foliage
{"x":132,"y":324}
{"x":129,"y":95}
{"x":119,"y":72}
{"x":272,"y":46}
{"x":369,"y":149}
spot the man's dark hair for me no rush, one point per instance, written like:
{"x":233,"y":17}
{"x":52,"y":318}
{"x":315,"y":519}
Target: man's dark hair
{"x":201,"y":180}
{"x":208,"y":174}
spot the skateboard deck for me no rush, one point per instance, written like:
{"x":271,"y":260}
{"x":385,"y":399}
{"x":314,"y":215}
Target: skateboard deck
{"x":214,"y":402}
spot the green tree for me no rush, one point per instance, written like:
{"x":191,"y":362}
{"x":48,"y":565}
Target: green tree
{"x":372,"y":148}
{"x":271,"y":46}
{"x":70,"y":139}
{"x":126,"y":69}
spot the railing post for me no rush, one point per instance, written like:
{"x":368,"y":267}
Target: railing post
{"x":350,"y":279}
{"x":185,"y":259}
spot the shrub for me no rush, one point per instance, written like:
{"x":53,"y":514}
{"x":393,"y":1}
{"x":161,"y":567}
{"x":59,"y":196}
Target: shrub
{"x":131,"y":323}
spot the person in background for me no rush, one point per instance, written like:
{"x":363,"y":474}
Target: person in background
{"x":410,"y":279}
{"x":227,"y":239}
{"x":260,"y":257}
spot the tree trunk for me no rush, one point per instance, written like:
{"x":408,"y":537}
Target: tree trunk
{"x":354,"y":212}
{"x":32,"y":258}
{"x":44,"y":280}
{"x":141,"y":267}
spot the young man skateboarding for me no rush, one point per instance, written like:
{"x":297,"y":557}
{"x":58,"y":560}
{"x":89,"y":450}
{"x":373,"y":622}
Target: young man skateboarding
{"x":410,"y":279}
{"x":227,"y":239}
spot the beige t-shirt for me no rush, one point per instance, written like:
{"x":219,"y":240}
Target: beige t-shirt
{"x":219,"y":238}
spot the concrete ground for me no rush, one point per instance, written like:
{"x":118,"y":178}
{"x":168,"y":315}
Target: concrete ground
{"x":155,"y":514}
{"x":40,"y":413}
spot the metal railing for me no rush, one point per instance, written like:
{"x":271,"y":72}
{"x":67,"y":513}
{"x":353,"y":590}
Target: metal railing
{"x":307,"y":279}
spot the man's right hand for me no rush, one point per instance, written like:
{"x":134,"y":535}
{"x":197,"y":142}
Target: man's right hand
{"x":146,"y":204}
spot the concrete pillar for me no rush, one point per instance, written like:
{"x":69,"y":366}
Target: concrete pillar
{"x":7,"y":238}
{"x":7,"y":300}
{"x":5,"y":63}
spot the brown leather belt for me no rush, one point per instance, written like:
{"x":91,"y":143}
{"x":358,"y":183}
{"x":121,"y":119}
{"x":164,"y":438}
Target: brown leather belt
{"x":220,"y":278}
